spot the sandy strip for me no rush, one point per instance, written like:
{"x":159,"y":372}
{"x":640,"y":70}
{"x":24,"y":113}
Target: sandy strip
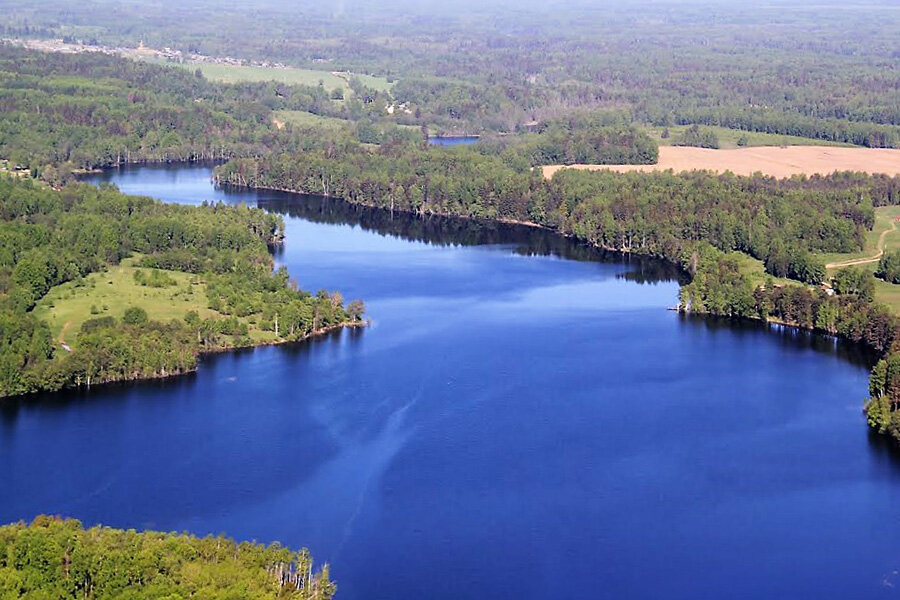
{"x":770,"y":160}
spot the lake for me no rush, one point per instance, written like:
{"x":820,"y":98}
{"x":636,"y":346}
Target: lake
{"x":524,"y":419}
{"x":460,"y":140}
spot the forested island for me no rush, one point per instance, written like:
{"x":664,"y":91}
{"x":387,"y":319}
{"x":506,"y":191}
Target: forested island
{"x":59,"y":558}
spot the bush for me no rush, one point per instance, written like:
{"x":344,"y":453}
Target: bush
{"x":99,"y":323}
{"x":855,"y":281}
{"x":154,"y":278}
{"x":699,"y":137}
{"x":135,"y":315}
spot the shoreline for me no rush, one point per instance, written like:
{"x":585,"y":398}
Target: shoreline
{"x":316,"y":333}
{"x":679,"y":308}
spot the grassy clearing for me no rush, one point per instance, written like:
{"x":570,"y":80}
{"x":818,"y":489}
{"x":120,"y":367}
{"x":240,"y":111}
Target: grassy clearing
{"x":301,"y":118}
{"x":109,"y":293}
{"x":379,"y":84}
{"x":885,"y":293}
{"x":728,"y":138}
{"x":888,"y":294}
{"x":755,"y":271}
{"x":238,"y":74}
{"x":884,"y":216}
{"x":289,"y":75}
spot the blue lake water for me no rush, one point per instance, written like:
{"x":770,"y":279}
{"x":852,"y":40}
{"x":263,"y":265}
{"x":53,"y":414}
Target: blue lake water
{"x":464,"y":140}
{"x":519,"y":422}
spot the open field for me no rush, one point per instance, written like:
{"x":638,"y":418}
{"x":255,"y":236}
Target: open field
{"x":884,"y":235}
{"x":728,"y":138}
{"x":302,"y":118}
{"x":109,"y":293}
{"x":379,"y":84}
{"x":237,"y":74}
{"x":773,"y":161}
{"x":888,"y":294}
{"x":290,"y":75}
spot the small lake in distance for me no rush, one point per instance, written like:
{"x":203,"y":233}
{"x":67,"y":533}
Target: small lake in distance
{"x":521,"y":421}
{"x":462,"y":140}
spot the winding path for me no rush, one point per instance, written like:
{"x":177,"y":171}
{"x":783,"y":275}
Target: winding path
{"x":871,"y":259}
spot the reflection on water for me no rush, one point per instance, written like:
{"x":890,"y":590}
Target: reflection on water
{"x":456,"y":231}
{"x":522,"y":420}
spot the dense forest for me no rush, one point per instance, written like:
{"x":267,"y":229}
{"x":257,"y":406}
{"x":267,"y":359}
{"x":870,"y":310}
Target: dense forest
{"x":49,"y":237}
{"x":65,"y":112}
{"x":57,"y":558}
{"x":62,"y":112}
{"x":783,"y":67}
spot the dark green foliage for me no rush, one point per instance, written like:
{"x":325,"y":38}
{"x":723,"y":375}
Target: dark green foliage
{"x":697,"y":136}
{"x":64,"y":112}
{"x":586,"y":140}
{"x":855,"y":281}
{"x":889,"y":267}
{"x":779,"y":222}
{"x":783,"y":67}
{"x":98,"y":323}
{"x":56,"y":558}
{"x":135,"y":315}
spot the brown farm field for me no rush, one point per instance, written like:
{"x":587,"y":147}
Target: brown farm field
{"x":774,"y":161}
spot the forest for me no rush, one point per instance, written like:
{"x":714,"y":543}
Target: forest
{"x":58,"y":558}
{"x":60,"y":113}
{"x":480,"y":67}
{"x":50,"y":237}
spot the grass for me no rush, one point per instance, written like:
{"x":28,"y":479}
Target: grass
{"x":885,"y":293}
{"x":302,"y":118}
{"x":67,"y":306}
{"x":755,"y":271}
{"x":888,"y":294}
{"x":883,"y":217}
{"x":289,"y":75}
{"x":728,"y":138}
{"x":379,"y":84}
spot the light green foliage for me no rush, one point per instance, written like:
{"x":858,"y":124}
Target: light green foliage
{"x":889,"y":267}
{"x":856,"y":281}
{"x":56,"y":558}
{"x":153,"y":278}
